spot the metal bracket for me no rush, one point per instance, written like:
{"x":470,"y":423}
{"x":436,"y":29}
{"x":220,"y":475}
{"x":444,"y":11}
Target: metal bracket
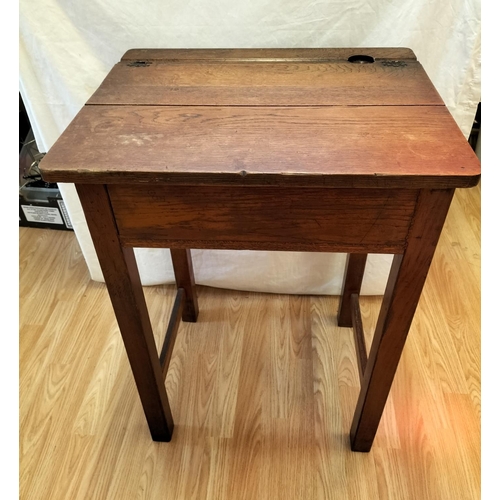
{"x":394,"y":64}
{"x":139,"y":64}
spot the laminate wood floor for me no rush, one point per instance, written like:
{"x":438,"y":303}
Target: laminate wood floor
{"x":262,"y":389}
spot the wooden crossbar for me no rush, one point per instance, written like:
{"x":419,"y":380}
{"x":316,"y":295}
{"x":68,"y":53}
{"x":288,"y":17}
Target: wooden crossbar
{"x":171,"y":334}
{"x":359,"y":335}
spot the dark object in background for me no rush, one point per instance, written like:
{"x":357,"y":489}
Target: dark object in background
{"x":24,"y":123}
{"x":40,"y":203}
{"x":476,"y":128}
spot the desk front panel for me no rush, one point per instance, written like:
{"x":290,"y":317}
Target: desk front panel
{"x":263,"y":218}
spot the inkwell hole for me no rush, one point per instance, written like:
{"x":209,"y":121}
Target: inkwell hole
{"x":361,"y":59}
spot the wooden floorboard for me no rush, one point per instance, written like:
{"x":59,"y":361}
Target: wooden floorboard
{"x":262,"y":388}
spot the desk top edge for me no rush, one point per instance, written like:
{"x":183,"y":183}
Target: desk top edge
{"x":312,"y":54}
{"x":344,"y":181}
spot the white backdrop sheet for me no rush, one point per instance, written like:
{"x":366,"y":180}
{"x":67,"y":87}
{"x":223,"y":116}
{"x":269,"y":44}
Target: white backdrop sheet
{"x":67,"y":48}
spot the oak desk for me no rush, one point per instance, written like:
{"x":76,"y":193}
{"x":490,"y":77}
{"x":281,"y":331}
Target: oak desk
{"x":328,"y":150}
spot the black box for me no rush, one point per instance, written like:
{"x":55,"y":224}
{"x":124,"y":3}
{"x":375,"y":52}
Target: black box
{"x":40,"y":203}
{"x":43,"y":207}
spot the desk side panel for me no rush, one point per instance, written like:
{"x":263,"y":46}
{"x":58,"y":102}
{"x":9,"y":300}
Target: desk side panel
{"x":263,"y":218}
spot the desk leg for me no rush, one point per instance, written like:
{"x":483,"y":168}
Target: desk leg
{"x":120,"y":271}
{"x":353,"y":277}
{"x":184,"y":278}
{"x":405,"y":284}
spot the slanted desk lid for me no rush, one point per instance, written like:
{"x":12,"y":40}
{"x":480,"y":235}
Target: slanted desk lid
{"x":232,"y":118}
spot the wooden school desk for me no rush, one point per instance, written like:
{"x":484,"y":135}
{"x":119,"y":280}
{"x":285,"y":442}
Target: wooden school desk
{"x":324,"y":150}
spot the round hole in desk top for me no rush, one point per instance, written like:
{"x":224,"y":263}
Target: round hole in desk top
{"x":361,"y":59}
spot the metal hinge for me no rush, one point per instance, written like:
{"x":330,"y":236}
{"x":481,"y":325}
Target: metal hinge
{"x":394,"y":63}
{"x":139,"y":64}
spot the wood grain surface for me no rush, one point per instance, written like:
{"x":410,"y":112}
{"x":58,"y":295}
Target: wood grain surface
{"x":258,"y":83}
{"x":399,"y":53}
{"x":120,"y":271}
{"x":265,"y":116}
{"x":372,"y":146}
{"x":308,"y":219}
{"x":404,"y":286}
{"x":260,"y":413}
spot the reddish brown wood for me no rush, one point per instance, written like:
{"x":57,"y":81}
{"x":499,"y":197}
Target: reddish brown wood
{"x":263,"y":218}
{"x":124,"y":286}
{"x":344,"y":147}
{"x":353,"y":277}
{"x":171,"y":333}
{"x":223,"y":55}
{"x":266,"y":77}
{"x":264,"y":83}
{"x":292,"y":149}
{"x":184,"y":277}
{"x":359,"y":335}
{"x":406,"y":280}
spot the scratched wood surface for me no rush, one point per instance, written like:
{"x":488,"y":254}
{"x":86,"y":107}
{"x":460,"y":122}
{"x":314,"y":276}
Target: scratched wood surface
{"x":263,"y":388}
{"x":267,"y":83}
{"x":370,"y":146}
{"x":265,"y":116}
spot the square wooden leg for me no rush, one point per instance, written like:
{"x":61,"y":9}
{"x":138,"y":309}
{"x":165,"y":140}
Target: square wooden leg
{"x":184,"y":278}
{"x":353,"y":277}
{"x":405,"y":284}
{"x":120,"y":272}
